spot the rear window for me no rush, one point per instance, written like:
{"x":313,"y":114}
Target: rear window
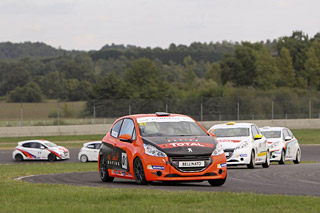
{"x":272,"y":134}
{"x":232,"y":132}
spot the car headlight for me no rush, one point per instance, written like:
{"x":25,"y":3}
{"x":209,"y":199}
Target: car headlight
{"x":153,"y":151}
{"x":244,"y":144}
{"x":275,"y":144}
{"x":218,"y":150}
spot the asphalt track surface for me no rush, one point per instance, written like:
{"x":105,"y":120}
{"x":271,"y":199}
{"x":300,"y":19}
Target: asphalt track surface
{"x":288,"y":179}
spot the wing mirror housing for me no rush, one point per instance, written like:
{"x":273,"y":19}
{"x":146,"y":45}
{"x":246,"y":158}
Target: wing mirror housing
{"x":125,"y":138}
{"x":288,"y":138}
{"x":258,"y":136}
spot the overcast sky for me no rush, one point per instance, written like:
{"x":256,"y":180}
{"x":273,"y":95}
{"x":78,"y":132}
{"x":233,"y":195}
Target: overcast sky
{"x":90,"y":24}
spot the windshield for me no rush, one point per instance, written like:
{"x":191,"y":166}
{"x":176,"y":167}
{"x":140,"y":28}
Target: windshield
{"x":272,"y":134}
{"x":49,"y":144}
{"x":169,"y":126}
{"x":232,"y":132}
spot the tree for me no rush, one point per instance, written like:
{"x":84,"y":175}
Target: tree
{"x":312,"y":66}
{"x":286,"y":70}
{"x":214,"y":73}
{"x":29,"y":93}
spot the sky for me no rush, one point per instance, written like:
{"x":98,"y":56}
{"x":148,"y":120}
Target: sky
{"x":91,"y":24}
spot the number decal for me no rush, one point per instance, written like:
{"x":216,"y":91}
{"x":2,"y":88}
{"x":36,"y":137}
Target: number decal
{"x":124,"y":160}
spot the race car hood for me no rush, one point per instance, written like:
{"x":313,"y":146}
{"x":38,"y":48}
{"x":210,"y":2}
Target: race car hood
{"x":58,"y":149}
{"x":184,"y":145}
{"x":231,"y":142}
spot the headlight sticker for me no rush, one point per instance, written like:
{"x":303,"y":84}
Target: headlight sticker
{"x":222,"y":165}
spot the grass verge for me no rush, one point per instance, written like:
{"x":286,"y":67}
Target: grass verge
{"x":20,"y":196}
{"x":307,"y":136}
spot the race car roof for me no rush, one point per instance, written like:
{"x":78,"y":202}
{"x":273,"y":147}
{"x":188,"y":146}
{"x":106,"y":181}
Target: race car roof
{"x":231,"y":125}
{"x":39,"y":141}
{"x":269,"y":128}
{"x":87,"y":143}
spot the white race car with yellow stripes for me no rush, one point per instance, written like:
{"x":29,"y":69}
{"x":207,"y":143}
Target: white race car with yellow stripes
{"x":242,"y":143}
{"x":282,"y":144}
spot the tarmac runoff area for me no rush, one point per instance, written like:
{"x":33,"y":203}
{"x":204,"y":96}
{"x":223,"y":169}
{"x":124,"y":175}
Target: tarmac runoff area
{"x":288,"y":179}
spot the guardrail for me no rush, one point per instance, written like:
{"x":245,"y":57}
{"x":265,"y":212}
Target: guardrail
{"x":97,"y":129}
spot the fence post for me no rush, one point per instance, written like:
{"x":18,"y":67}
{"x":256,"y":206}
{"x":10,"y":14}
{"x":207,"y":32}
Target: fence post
{"x":58,"y":113}
{"x":21,"y":114}
{"x":129,"y":107}
{"x":166,"y":104}
{"x":238,"y":111}
{"x":309,"y":109}
{"x":94,"y":112}
{"x":272,"y":110}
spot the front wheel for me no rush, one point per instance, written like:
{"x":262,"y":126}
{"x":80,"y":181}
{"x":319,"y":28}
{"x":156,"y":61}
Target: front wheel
{"x":139,"y":172}
{"x":266,"y":164}
{"x":217,"y":182}
{"x":298,"y":157}
{"x":51,"y":157}
{"x":104,"y":174}
{"x":252,"y":163}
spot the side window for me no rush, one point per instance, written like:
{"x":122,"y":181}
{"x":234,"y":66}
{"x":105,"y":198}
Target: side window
{"x":98,"y":145}
{"x":254,"y":131}
{"x":127,"y":127}
{"x":35,"y":145}
{"x":285,"y":133}
{"x":290,"y":133}
{"x":116,"y":128}
{"x":27,"y":145}
{"x":90,"y":146}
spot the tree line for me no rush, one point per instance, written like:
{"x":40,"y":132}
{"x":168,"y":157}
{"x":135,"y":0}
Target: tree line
{"x":289,"y":65}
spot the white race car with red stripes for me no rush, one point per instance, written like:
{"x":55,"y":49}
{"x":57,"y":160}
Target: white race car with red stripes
{"x":282,"y":144}
{"x":243,"y":144}
{"x":39,"y":150}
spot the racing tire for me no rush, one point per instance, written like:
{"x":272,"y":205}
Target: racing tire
{"x":217,"y":182}
{"x":252,"y":163}
{"x":282,"y":159}
{"x":83,"y":158}
{"x":104,"y":174}
{"x":52,"y":157}
{"x":267,"y":163}
{"x":18,"y":157}
{"x":139,"y":172}
{"x":298,"y":157}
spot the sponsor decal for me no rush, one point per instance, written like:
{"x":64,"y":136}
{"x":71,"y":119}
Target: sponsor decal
{"x":182,"y":140}
{"x":229,"y":141}
{"x":184,"y":144}
{"x":189,"y":150}
{"x":243,"y":155}
{"x":56,"y":154}
{"x":221,"y":165}
{"x":276,"y":152}
{"x":155,"y":167}
{"x":123,"y":173}
{"x":262,"y":154}
{"x":27,"y":154}
{"x":163,"y":119}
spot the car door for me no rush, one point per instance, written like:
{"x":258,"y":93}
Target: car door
{"x":295,"y":145}
{"x":290,"y":145}
{"x":90,"y":151}
{"x":126,"y":147}
{"x":96,"y":151}
{"x":35,"y":150}
{"x":259,"y":144}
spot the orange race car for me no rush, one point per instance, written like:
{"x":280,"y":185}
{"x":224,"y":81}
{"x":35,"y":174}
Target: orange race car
{"x":161,"y":147}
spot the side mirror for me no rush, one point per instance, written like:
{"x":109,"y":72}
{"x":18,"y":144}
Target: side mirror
{"x":42,"y":147}
{"x":288,"y":138}
{"x":125,"y":138}
{"x":257,"y":137}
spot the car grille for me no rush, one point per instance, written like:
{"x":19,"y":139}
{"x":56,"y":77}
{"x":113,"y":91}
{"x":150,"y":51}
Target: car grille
{"x":174,"y":161}
{"x":230,"y":151}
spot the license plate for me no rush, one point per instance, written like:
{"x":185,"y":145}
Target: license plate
{"x":227,"y":154}
{"x":191,"y":163}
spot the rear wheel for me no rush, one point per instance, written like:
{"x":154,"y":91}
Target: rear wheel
{"x":83,"y":158}
{"x":51,"y":157}
{"x":282,"y":159}
{"x":104,"y":174}
{"x":139,"y":172}
{"x":217,"y":182}
{"x":266,"y":164}
{"x":18,"y":157}
{"x":252,"y":163}
{"x":298,"y":157}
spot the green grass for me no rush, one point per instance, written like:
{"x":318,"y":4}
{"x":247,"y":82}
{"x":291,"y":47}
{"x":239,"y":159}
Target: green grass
{"x":307,"y":136}
{"x":20,"y":196}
